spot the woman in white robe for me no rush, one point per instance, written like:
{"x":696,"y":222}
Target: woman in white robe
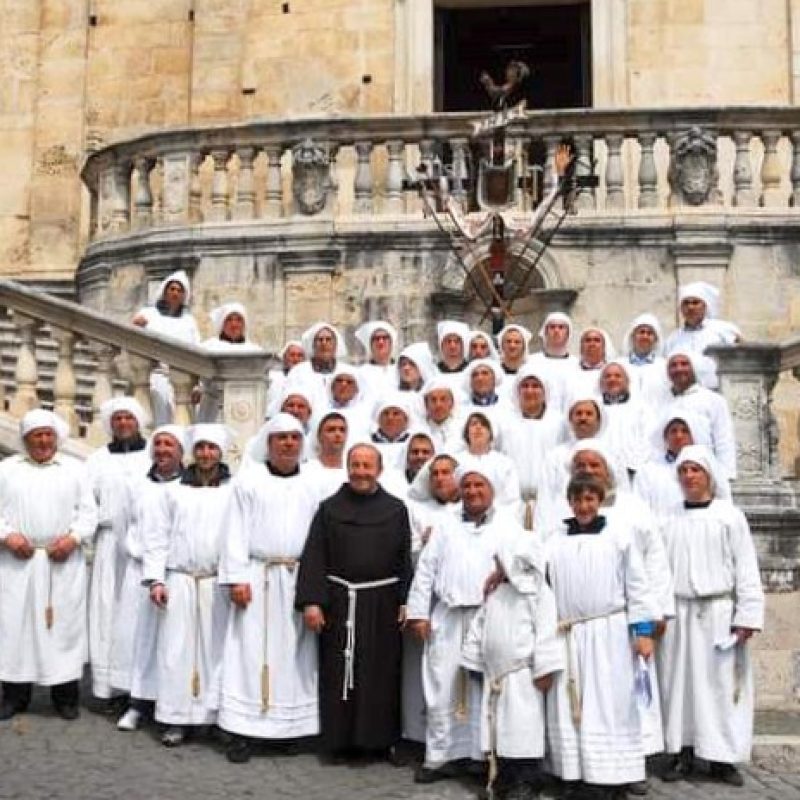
{"x":112,"y":469}
{"x":180,"y":564}
{"x":170,"y":317}
{"x":43,"y":636}
{"x":704,"y":661}
{"x":643,"y":351}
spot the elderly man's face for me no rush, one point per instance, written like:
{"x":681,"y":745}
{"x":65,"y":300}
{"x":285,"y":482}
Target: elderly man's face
{"x":584,"y":419}
{"x":482,"y":380}
{"x":587,"y":462}
{"x":443,"y":484}
{"x":477,"y":494}
{"x":593,"y":347}
{"x":298,"y":407}
{"x":680,"y":372}
{"x":393,"y":421}
{"x":614,"y":380}
{"x":344,"y":388}
{"x":363,"y":469}
{"x":643,"y":340}
{"x":325,"y":345}
{"x":124,"y":425}
{"x":41,"y":444}
{"x":293,"y":356}
{"x":167,"y":454}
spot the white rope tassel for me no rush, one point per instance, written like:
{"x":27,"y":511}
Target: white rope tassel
{"x":350,"y":644}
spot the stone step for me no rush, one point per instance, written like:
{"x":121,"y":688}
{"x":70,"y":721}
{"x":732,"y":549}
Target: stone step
{"x":776,"y":743}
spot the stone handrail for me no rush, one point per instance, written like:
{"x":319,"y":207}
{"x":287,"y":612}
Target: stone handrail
{"x":122,"y":351}
{"x":646,"y":159}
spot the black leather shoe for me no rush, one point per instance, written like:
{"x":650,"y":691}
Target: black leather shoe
{"x":425,"y":774}
{"x":725,"y":773}
{"x":67,"y":712}
{"x":679,"y":768}
{"x":238,"y":751}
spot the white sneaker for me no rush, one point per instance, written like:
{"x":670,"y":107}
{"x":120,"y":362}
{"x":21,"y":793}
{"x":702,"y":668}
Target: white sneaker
{"x":130,"y":720}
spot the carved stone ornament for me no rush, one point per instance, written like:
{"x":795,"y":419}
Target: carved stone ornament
{"x":310,"y":176}
{"x":693,"y":173}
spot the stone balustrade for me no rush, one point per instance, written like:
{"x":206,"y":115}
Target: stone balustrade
{"x":650,"y":161}
{"x":120,"y":358}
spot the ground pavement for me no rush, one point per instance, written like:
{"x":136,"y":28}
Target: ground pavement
{"x":42,"y":757}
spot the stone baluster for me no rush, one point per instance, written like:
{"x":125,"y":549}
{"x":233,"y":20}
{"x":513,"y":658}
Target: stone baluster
{"x":551,"y":143}
{"x":245,"y":190}
{"x":795,"y":173}
{"x":219,"y":186}
{"x":103,"y":391}
{"x":183,"y":383}
{"x":143,"y":202}
{"x":195,"y":187}
{"x":585,"y":199}
{"x":460,"y":171}
{"x":64,"y":382}
{"x":395,"y":201}
{"x":615,"y":178}
{"x":648,"y":175}
{"x":771,"y":194}
{"x":26,"y":374}
{"x":178,"y":170}
{"x":121,"y":215}
{"x":427,"y":155}
{"x":332,"y":204}
{"x":743,"y":194}
{"x":362,"y":183}
{"x":273,"y":187}
{"x":138,"y":376}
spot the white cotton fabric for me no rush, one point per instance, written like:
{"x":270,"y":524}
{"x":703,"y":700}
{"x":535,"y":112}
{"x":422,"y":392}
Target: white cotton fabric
{"x":650,"y":378}
{"x":269,"y":517}
{"x":29,"y":651}
{"x":39,"y":418}
{"x":307,"y":339}
{"x":116,"y":404}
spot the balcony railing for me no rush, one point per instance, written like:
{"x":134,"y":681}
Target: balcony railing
{"x":647,"y":161}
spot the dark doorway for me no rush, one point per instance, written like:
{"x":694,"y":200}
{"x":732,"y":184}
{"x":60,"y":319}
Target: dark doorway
{"x":554,"y":40}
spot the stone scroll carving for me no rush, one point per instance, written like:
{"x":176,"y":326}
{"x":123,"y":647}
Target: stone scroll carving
{"x":311,"y":177}
{"x":693,"y":174}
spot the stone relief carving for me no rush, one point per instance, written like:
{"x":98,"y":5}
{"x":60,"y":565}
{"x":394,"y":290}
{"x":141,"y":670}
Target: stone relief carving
{"x":55,"y":160}
{"x":174,"y":191}
{"x":693,"y":172}
{"x":310,"y":176}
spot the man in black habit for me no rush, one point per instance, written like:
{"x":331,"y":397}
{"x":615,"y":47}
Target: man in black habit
{"x":354,"y":576}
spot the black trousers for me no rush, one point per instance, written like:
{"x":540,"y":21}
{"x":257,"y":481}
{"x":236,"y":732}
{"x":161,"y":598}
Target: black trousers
{"x":518,"y":770}
{"x":62,"y":694}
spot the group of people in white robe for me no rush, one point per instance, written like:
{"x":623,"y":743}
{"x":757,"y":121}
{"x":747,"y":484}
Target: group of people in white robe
{"x":584,"y":588}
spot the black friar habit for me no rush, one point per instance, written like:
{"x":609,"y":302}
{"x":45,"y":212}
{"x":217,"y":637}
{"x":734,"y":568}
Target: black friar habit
{"x":359,"y":538}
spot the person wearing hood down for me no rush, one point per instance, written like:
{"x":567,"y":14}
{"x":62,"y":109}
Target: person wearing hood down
{"x":704,"y":660}
{"x":698,"y":305}
{"x":381,"y":343}
{"x":133,"y":659}
{"x":170,"y":317}
{"x":513,"y":642}
{"x":643,"y":351}
{"x":606,"y":614}
{"x":181,"y":554}
{"x":269,"y":662}
{"x":325,"y":350}
{"x":688,"y":394}
{"x":47,"y":512}
{"x":528,"y":432}
{"x":554,"y":361}
{"x":452,"y":569}
{"x":230,"y":327}
{"x":112,"y":469}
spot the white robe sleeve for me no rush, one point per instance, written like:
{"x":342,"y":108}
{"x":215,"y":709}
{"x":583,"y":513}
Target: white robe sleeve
{"x":156,"y":537}
{"x":749,"y":594}
{"x":472,"y":648}
{"x":84,"y":517}
{"x":420,"y":596}
{"x":656,"y":564}
{"x":642,"y":606}
{"x":234,"y":558}
{"x":548,"y":650}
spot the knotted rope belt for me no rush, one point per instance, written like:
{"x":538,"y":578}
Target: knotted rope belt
{"x":269,"y":563}
{"x":565,"y":627}
{"x":350,"y":643}
{"x":196,"y":576}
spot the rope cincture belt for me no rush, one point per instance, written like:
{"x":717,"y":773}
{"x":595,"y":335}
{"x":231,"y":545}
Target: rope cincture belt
{"x":269,"y":562}
{"x":49,"y":614}
{"x":197,"y":576}
{"x":350,"y":644}
{"x":565,"y":626}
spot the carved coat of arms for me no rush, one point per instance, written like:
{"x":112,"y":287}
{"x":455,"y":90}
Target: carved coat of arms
{"x":310,"y":177}
{"x":693,"y":173}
